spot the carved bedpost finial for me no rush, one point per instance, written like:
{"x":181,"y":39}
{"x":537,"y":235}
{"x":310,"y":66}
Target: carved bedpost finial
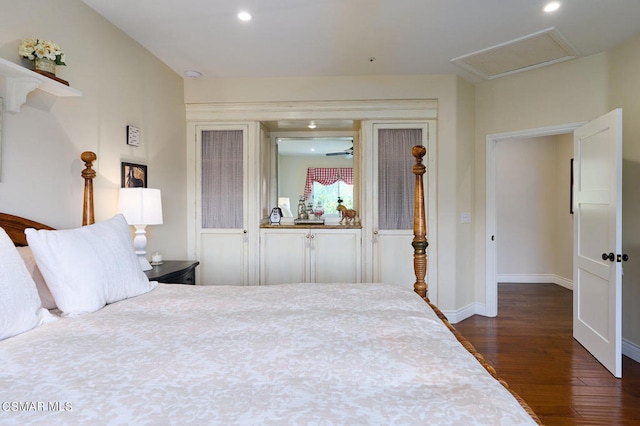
{"x":419,"y":225}
{"x":88,"y":174}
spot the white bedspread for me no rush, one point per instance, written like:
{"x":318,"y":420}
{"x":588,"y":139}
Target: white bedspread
{"x":357,"y":354}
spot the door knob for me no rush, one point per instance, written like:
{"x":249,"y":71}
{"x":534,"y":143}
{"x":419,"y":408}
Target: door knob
{"x":611,"y":257}
{"x":623,"y":258}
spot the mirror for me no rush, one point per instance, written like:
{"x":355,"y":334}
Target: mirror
{"x":297,"y":155}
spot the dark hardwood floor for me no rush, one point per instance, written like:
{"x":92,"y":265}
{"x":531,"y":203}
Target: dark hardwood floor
{"x":530,"y":344}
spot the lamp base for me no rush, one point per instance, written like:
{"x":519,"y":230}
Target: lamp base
{"x":140,"y":246}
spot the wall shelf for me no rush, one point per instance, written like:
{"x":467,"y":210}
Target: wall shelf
{"x":20,"y":81}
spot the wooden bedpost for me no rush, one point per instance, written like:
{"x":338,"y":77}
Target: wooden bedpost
{"x":419,"y":225}
{"x":88,"y":174}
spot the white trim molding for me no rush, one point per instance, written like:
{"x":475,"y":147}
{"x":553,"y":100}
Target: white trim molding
{"x":631,"y":350}
{"x":423,"y":109}
{"x":465,"y":312}
{"x":535,"y":279}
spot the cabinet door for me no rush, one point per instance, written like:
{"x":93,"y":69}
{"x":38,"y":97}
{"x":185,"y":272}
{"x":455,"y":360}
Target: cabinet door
{"x":390,"y":185}
{"x":284,"y":256}
{"x":335,"y":256}
{"x":223,"y":239}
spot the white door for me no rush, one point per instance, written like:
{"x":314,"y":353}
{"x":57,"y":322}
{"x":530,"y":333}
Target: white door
{"x":222,"y":236}
{"x":597,"y":254}
{"x":389,"y":193}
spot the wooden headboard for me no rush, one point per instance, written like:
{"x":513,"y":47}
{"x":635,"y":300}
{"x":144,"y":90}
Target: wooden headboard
{"x":15,"y":225}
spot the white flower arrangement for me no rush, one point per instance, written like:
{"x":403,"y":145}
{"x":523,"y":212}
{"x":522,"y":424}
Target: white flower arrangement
{"x":32,"y":48}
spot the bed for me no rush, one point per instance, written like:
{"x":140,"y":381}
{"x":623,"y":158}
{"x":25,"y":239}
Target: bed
{"x":139,"y":352}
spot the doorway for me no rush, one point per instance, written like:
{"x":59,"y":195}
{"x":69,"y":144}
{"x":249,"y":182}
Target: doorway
{"x":491,"y":306}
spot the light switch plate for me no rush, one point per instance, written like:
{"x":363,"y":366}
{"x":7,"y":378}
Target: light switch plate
{"x":465,"y":217}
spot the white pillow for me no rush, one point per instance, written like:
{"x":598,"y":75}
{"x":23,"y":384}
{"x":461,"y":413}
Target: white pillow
{"x":89,"y":267}
{"x":43,"y":291}
{"x":20,"y":308}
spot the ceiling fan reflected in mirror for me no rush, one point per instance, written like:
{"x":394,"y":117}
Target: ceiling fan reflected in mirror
{"x":348,"y":153}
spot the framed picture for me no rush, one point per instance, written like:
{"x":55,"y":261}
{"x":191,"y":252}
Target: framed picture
{"x":571,"y":181}
{"x":134,"y":175}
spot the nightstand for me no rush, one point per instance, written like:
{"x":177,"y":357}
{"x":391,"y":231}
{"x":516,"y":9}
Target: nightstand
{"x":174,"y":272}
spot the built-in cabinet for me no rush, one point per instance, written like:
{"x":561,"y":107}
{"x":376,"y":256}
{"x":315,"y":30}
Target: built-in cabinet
{"x":249,"y":252}
{"x":319,"y":255}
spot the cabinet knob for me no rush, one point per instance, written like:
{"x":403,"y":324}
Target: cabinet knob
{"x":375,"y":232}
{"x":244,"y":231}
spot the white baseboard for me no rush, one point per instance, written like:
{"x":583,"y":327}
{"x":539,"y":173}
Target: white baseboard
{"x":535,"y":278}
{"x":465,"y":312}
{"x":631,"y":350}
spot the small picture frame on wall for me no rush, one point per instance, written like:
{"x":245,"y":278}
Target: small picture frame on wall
{"x":571,"y":182}
{"x":134,"y":175}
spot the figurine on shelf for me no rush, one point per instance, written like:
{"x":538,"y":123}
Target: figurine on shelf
{"x":348,"y":216}
{"x":302,"y":209}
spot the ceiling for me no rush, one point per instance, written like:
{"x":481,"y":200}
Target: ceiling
{"x":358,"y":37}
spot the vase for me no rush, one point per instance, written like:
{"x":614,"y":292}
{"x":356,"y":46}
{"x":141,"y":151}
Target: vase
{"x":44,"y":65}
{"x":319,"y":210}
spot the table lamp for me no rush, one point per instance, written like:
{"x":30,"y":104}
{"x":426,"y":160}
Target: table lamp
{"x":141,"y":207}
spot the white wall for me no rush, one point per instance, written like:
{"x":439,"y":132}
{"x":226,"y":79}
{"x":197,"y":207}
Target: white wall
{"x":122,"y":84}
{"x":534,"y":226}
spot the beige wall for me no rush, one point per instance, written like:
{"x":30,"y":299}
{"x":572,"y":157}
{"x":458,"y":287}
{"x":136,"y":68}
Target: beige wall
{"x":122,"y":84}
{"x":534,"y":235}
{"x":624,"y":82}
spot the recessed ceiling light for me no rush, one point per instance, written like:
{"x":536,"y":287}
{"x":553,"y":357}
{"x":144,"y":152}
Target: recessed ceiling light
{"x":193,"y":74}
{"x":244,"y":16}
{"x":552,"y":6}
{"x":312,"y":125}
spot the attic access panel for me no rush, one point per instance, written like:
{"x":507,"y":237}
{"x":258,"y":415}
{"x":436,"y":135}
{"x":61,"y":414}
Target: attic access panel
{"x":533,"y":51}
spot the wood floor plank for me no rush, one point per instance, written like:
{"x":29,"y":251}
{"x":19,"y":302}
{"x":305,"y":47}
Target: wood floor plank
{"x":531,"y":346}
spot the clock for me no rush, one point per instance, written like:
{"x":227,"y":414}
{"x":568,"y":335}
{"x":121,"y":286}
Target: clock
{"x":276,"y":215}
{"x":133,"y":136}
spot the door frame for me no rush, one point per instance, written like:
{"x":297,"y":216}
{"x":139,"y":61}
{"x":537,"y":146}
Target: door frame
{"x":491,"y":282}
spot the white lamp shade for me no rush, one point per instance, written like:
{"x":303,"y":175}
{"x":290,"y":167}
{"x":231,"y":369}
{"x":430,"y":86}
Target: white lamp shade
{"x":140,"y":206}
